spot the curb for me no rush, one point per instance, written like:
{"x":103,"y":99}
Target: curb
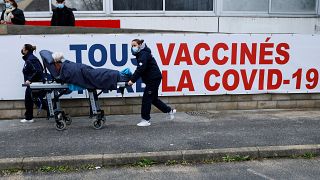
{"x":29,"y":163}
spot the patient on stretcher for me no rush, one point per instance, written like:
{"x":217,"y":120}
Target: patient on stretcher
{"x":85,"y":76}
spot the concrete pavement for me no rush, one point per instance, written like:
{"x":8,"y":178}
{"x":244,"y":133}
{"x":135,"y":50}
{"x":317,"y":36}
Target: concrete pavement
{"x":190,"y":135}
{"x":293,"y":169}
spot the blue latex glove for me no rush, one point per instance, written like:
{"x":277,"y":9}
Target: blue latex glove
{"x":73,"y":87}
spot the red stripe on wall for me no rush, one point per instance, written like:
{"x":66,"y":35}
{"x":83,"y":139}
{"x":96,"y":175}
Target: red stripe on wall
{"x":98,"y":23}
{"x":83,"y":23}
{"x":38,"y":23}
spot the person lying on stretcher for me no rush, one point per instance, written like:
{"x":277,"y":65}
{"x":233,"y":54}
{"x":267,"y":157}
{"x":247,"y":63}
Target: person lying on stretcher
{"x":88,"y":77}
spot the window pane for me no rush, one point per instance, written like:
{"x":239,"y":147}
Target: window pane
{"x":189,"y":5}
{"x":2,"y":6}
{"x":139,"y":5}
{"x":246,"y":5}
{"x":293,"y":5}
{"x":83,"y":5}
{"x":33,"y":5}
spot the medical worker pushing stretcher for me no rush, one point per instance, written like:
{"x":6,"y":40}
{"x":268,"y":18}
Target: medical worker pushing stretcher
{"x":150,"y":74}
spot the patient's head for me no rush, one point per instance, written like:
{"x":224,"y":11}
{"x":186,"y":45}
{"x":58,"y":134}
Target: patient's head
{"x":57,"y":57}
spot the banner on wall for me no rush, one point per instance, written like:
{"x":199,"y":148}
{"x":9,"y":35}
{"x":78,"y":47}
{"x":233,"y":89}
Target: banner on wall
{"x":191,"y":64}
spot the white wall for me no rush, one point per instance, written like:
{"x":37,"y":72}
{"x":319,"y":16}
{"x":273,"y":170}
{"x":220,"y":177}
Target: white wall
{"x":202,"y":24}
{"x":268,"y":25}
{"x":225,"y":24}
{"x":306,"y":25}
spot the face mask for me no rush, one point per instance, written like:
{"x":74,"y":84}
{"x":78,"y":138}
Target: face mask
{"x":8,"y":5}
{"x":134,"y":50}
{"x":60,"y":6}
{"x":22,"y":52}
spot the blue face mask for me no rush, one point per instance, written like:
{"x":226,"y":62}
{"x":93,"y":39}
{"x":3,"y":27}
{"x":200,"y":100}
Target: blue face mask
{"x":134,"y":50}
{"x":8,"y":5}
{"x":60,"y":6}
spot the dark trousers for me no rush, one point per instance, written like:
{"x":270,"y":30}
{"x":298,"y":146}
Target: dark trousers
{"x":31,"y":98}
{"x":150,"y":96}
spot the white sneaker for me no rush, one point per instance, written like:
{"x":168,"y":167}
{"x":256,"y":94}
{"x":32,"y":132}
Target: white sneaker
{"x":171,"y":114}
{"x":144,"y":123}
{"x":27,"y":121}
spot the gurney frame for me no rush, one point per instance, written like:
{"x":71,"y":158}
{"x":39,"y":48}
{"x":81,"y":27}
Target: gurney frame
{"x":55,"y":90}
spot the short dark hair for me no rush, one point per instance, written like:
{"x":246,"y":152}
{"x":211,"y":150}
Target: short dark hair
{"x":138,"y":41}
{"x":60,"y":1}
{"x":14,"y":3}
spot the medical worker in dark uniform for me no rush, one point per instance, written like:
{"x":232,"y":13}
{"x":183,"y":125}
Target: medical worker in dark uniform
{"x":32,"y":72}
{"x":150,"y":74}
{"x":62,"y":15}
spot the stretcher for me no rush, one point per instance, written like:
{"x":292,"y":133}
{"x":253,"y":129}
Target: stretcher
{"x":54,"y":89}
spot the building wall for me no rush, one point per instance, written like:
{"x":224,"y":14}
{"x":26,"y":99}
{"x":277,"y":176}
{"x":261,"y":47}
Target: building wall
{"x":224,"y":16}
{"x":269,"y":25}
{"x":225,"y":24}
{"x":115,"y":106}
{"x":206,"y":23}
{"x":80,"y":107}
{"x":298,"y":25}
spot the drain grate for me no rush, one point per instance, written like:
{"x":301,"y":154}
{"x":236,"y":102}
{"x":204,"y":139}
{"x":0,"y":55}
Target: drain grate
{"x":205,"y":114}
{"x":198,"y":113}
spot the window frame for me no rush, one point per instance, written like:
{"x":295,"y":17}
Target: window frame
{"x":46,"y":14}
{"x":242,"y":13}
{"x":38,"y":14}
{"x":293,"y":13}
{"x":216,"y":12}
{"x":163,"y":12}
{"x":143,"y":12}
{"x":210,"y":12}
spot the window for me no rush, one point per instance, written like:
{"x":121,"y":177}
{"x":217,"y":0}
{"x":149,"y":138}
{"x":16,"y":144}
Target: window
{"x":139,"y":5}
{"x":293,"y":6}
{"x":36,"y":6}
{"x":2,"y":6}
{"x":33,"y":5}
{"x":189,"y":5}
{"x":83,"y":5}
{"x":246,"y":5}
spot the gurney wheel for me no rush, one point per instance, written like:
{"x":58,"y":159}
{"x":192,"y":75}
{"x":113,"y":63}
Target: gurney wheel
{"x":97,"y":124}
{"x":60,"y":125}
{"x":68,"y":120}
